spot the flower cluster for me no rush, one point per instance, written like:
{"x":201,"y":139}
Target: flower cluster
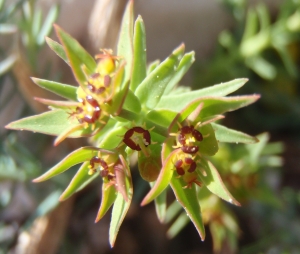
{"x":126,"y":107}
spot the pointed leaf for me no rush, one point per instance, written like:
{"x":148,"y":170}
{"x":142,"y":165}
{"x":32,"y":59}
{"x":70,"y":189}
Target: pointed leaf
{"x":184,"y":65}
{"x":125,"y":44}
{"x":179,"y":101}
{"x":189,"y":201}
{"x":163,"y":179}
{"x":7,"y":63}
{"x":212,"y":180}
{"x":209,"y":145}
{"x":52,"y":123}
{"x":63,"y":90}
{"x":79,"y":181}
{"x":77,"y":55}
{"x":153,"y":86}
{"x":58,"y":49}
{"x":78,"y":156}
{"x":224,"y":134}
{"x":178,"y":225}
{"x":120,"y":208}
{"x":109,"y":195}
{"x":160,"y":205}
{"x":152,"y":66}
{"x":140,"y":56}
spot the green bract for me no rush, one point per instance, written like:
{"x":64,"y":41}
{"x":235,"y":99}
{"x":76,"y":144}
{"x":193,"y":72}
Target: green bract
{"x":125,"y":107}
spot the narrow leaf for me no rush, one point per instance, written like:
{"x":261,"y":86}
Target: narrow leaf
{"x":140,"y":56}
{"x":47,"y":26}
{"x":79,"y":181}
{"x":214,"y":183}
{"x":125,"y":44}
{"x":189,"y":201}
{"x":132,"y":103}
{"x":120,"y":208}
{"x":109,"y":195}
{"x":7,"y":63}
{"x":161,"y":205}
{"x":77,"y":55}
{"x":178,"y":225}
{"x":161,"y":117}
{"x":153,"y":86}
{"x":179,"y":101}
{"x":184,"y":65}
{"x":163,"y":179}
{"x":58,"y":49}
{"x":52,"y":123}
{"x":224,"y":134}
{"x":78,"y":156}
{"x":63,"y":90}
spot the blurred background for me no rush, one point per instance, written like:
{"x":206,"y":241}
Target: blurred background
{"x":259,"y":40}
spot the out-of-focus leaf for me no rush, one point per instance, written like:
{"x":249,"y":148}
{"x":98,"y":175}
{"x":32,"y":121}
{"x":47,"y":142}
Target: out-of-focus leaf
{"x":58,"y":49}
{"x":209,"y":144}
{"x":52,"y":123}
{"x":8,"y":29}
{"x":212,"y":180}
{"x":63,"y":90}
{"x":153,"y":86}
{"x":78,"y":156}
{"x":7,"y":63}
{"x":120,"y":207}
{"x":161,"y":206}
{"x":77,"y":55}
{"x":113,"y":138}
{"x":79,"y":181}
{"x":184,"y":65}
{"x":109,"y":195}
{"x":47,"y":25}
{"x":178,"y":225}
{"x":189,"y":201}
{"x":140,"y":56}
{"x":152,"y":66}
{"x":224,"y":134}
{"x":125,"y":44}
{"x":262,"y":67}
{"x":179,"y":101}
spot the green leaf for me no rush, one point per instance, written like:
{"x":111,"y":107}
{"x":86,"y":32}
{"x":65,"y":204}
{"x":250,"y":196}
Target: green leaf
{"x":125,"y":44}
{"x":161,"y":117}
{"x":7,"y":63}
{"x":160,"y":205}
{"x":58,"y":49}
{"x":52,"y":122}
{"x":77,"y":55}
{"x":212,"y":180}
{"x":178,"y":225}
{"x":140,"y":56}
{"x":63,"y":90}
{"x":153,"y":86}
{"x":209,"y":144}
{"x":163,"y":179}
{"x":113,"y":137}
{"x":120,"y":208}
{"x":109,"y":195}
{"x":47,"y":26}
{"x":79,"y":181}
{"x":132,"y":103}
{"x":184,"y":65}
{"x":224,"y":134}
{"x":78,"y":156}
{"x":262,"y":67}
{"x":152,"y":66}
{"x":189,"y":201}
{"x":179,"y":101}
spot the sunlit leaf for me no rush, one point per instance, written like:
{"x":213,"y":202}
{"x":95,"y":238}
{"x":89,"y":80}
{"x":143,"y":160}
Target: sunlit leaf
{"x":179,"y":101}
{"x":79,"y":181}
{"x":140,"y":54}
{"x":224,"y":134}
{"x":58,"y":49}
{"x":189,"y":201}
{"x":63,"y":90}
{"x":78,"y":156}
{"x":212,"y":180}
{"x":153,"y":86}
